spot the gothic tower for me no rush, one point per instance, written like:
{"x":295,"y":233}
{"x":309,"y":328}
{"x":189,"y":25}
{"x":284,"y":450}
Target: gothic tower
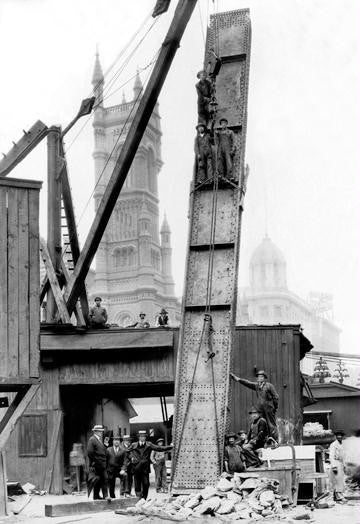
{"x":133,"y":269}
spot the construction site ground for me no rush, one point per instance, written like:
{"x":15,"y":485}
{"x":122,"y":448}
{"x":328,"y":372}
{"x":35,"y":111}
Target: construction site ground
{"x":33,"y":513}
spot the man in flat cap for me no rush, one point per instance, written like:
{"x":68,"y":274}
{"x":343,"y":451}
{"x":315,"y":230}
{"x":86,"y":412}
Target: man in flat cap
{"x":117,"y":461}
{"x":257,"y":436}
{"x":234,"y":460}
{"x":139,"y":454}
{"x":225,"y":148}
{"x":158,"y":459}
{"x":204,"y":91}
{"x":267,"y":399}
{"x":204,"y":157}
{"x":96,"y":452}
{"x":98,"y":315}
{"x":336,"y":472}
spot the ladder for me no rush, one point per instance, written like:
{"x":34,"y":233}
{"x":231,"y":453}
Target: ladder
{"x":209,"y":301}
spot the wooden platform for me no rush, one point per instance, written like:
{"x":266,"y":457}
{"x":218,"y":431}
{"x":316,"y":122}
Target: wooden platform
{"x":87,"y":506}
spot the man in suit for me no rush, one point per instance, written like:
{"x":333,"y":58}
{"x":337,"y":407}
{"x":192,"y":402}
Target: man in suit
{"x":267,"y":399}
{"x":117,"y":461}
{"x":96,"y":452}
{"x":139,"y":454}
{"x":126,"y":481}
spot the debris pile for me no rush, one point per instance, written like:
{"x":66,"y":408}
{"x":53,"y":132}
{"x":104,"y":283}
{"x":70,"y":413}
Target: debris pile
{"x":243,"y":497}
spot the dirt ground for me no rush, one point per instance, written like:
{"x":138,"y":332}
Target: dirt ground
{"x":33,"y":513}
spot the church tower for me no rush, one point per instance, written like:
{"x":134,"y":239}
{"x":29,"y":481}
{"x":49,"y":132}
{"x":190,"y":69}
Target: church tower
{"x":133,"y":268}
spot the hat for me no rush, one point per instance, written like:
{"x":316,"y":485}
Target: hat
{"x":223,"y":120}
{"x":142,"y":432}
{"x":241,"y":431}
{"x":140,"y":314}
{"x":200,"y":73}
{"x":200,"y":124}
{"x":126,"y":436}
{"x":253,"y":410}
{"x":98,"y":427}
{"x":261,"y":372}
{"x":160,"y":440}
{"x":98,"y":298}
{"x":339,"y":432}
{"x":231,"y":435}
{"x":163,"y":310}
{"x":116,"y":437}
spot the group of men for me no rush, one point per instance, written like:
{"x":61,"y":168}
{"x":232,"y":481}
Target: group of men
{"x":130,"y":462}
{"x":214,"y":151}
{"x":98,"y":317}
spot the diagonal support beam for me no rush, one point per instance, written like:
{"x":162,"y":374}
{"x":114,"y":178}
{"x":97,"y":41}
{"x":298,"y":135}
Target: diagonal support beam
{"x":23,"y":147}
{"x":54,"y":283}
{"x":17,"y":408}
{"x":168,"y":50}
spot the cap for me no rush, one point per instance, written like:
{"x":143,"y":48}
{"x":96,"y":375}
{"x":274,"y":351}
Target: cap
{"x":142,"y":314}
{"x":116,"y":437}
{"x":126,"y":436}
{"x":339,"y":432}
{"x":142,"y":432}
{"x":200,"y":73}
{"x":98,"y":427}
{"x":231,"y":435}
{"x":163,"y":310}
{"x":223,"y":120}
{"x":261,"y":372}
{"x":253,"y":410}
{"x":98,"y":298}
{"x":200,"y":124}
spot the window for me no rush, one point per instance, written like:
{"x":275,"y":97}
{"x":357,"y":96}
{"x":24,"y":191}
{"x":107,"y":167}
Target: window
{"x":277,"y":312}
{"x":33,"y":436}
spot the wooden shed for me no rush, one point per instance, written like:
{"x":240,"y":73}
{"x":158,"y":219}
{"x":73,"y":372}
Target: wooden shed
{"x":278,"y":350}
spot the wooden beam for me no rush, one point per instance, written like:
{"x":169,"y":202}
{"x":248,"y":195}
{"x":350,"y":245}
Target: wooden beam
{"x":169,"y":47}
{"x":14,"y":404}
{"x":23,"y":147}
{"x":25,"y":401}
{"x":72,"y":228}
{"x":78,"y":310}
{"x":88,"y":506}
{"x":50,"y":461}
{"x":55,"y":287}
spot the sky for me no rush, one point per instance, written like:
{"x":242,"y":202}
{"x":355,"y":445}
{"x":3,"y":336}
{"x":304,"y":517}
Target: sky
{"x":303,"y":124}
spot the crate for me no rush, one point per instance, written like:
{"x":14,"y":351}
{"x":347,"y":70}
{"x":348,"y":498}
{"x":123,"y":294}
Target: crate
{"x":284,"y":475}
{"x":282,"y":457}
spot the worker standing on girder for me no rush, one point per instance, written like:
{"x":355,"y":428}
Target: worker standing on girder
{"x":267,"y":399}
{"x":204,"y":157}
{"x":204,"y":91}
{"x":225,"y":147}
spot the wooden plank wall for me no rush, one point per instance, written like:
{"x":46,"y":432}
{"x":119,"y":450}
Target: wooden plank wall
{"x":277,"y":350}
{"x":19,"y":278}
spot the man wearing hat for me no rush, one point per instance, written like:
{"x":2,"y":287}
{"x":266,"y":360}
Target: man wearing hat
{"x":117,"y":461}
{"x":256,"y":439}
{"x":142,"y":323}
{"x":98,"y":315}
{"x":204,"y":157}
{"x":234,"y":460}
{"x":204,"y":91}
{"x":157,"y":459}
{"x":126,"y":481}
{"x":267,"y":399}
{"x":225,"y":149}
{"x":336,"y":472}
{"x":162,"y":320}
{"x":139,"y":454}
{"x":96,"y":452}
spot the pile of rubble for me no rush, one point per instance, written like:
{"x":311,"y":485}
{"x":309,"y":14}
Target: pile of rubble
{"x":243,"y":497}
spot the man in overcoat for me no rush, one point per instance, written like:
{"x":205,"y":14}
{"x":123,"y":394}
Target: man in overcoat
{"x":267,"y":399}
{"x":96,"y":452}
{"x":139,"y":455}
{"x":126,"y":480}
{"x":117,"y":461}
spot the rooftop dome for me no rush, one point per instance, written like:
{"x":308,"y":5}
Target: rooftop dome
{"x":267,"y":267}
{"x":267,"y":253}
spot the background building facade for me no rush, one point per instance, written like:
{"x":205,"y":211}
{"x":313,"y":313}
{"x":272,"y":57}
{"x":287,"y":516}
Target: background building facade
{"x":133,"y":263}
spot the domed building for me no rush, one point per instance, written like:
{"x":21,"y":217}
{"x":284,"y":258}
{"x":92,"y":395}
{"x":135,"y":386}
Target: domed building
{"x":269,"y":301}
